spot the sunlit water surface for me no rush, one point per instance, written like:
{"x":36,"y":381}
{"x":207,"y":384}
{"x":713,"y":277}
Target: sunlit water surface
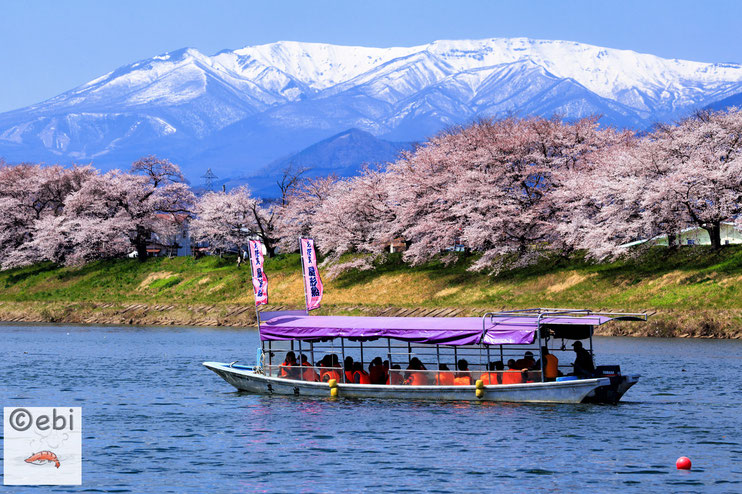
{"x":155,"y":420}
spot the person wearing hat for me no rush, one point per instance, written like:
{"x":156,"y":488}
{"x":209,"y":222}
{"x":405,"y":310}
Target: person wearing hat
{"x":583,"y":365}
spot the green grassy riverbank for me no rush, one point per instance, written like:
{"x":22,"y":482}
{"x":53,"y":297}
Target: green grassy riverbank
{"x":695,"y":291}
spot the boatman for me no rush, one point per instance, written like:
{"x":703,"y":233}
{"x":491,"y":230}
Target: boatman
{"x":584,"y":366}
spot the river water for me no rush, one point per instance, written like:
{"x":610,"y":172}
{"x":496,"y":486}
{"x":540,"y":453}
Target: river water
{"x":155,"y":420}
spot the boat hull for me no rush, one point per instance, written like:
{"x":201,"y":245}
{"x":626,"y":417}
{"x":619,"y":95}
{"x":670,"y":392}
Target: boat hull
{"x":612,"y":392}
{"x":246,"y":379}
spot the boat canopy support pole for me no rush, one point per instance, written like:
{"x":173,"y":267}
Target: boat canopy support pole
{"x":389,"y":347}
{"x":301,"y":373}
{"x":592,"y":355}
{"x":540,"y":349}
{"x":311,"y":352}
{"x":342,"y":363}
{"x":361,"y":345}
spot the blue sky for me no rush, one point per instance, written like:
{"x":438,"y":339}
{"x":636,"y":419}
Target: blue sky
{"x":47,"y":47}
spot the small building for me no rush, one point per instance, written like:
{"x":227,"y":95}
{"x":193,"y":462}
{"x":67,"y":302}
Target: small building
{"x":730,"y":235}
{"x":173,"y":239}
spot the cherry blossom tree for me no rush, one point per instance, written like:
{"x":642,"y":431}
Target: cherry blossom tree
{"x":31,"y":194}
{"x":704,"y":153}
{"x":490,"y":185}
{"x":354,"y":214}
{"x":225,"y":219}
{"x":677,"y":176}
{"x":299,"y":211}
{"x":115,"y":212}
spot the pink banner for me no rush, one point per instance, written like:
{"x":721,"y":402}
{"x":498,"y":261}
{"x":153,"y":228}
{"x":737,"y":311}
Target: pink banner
{"x":259,"y":279}
{"x":312,"y":281}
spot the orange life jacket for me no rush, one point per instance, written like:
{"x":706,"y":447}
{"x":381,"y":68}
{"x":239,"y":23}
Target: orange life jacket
{"x":512,"y":376}
{"x":361,"y":377}
{"x":489,"y":378}
{"x":418,"y":379}
{"x":464,"y":380}
{"x":551,"y":369}
{"x":394,"y":377}
{"x":330,"y":374}
{"x":284,"y":372}
{"x":444,"y":379}
{"x":349,"y":376}
{"x":309,"y":374}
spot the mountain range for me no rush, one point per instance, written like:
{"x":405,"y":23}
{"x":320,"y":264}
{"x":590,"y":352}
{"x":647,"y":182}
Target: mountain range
{"x":245,"y":112}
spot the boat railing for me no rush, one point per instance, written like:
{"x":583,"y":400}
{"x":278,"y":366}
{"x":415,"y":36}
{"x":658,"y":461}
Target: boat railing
{"x":408,"y":376}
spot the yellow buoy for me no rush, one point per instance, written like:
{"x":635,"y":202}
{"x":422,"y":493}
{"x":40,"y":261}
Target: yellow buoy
{"x":333,"y":383}
{"x":480,"y":392}
{"x":479,"y":384}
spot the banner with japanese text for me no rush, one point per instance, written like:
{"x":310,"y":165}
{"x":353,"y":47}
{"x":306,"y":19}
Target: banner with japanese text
{"x":259,"y":278}
{"x":312,"y":282}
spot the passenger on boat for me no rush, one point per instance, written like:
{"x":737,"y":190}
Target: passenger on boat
{"x":285,"y":369}
{"x":492,"y":377}
{"x":527,"y":362}
{"x":583,"y":364}
{"x":329,"y":371}
{"x":444,"y":376}
{"x":376,"y":371}
{"x":348,"y":367}
{"x":395,"y":375}
{"x":463,"y":376}
{"x":309,"y":374}
{"x":360,"y":376}
{"x":417,"y":375}
{"x":513,"y":375}
{"x":551,"y":365}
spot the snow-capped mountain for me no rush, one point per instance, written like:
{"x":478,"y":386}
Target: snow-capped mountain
{"x":238,"y":110}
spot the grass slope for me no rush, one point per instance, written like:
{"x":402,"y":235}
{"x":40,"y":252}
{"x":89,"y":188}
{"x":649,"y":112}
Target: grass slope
{"x":695,"y":289}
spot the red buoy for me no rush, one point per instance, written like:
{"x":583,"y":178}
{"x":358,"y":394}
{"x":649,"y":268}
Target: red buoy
{"x":683,"y":463}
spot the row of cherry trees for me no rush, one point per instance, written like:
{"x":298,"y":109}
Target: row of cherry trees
{"x":513,"y":189}
{"x":74,"y":215}
{"x":509,"y":189}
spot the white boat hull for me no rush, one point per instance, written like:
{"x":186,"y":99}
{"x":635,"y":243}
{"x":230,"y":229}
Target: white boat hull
{"x":548,"y":392}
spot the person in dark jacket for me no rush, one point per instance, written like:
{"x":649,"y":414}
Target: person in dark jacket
{"x":583,"y":364}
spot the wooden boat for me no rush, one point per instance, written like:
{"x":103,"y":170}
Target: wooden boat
{"x":431,"y":341}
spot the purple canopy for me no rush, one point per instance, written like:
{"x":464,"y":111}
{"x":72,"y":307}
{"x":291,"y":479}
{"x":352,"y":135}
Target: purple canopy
{"x":510,"y":330}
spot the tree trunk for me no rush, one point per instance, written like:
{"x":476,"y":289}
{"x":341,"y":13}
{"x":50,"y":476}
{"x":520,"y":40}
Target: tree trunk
{"x":141,"y":250}
{"x":714,"y":230}
{"x":270,"y":251}
{"x":141,"y":244}
{"x":672,"y":241}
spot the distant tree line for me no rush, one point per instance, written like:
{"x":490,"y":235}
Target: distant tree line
{"x":510,"y":189}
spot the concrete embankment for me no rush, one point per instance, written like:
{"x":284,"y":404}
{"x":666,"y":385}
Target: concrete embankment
{"x":723,"y":324}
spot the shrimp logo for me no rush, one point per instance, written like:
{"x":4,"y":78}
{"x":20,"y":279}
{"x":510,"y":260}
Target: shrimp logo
{"x":43,"y":458}
{"x":38,"y":442}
